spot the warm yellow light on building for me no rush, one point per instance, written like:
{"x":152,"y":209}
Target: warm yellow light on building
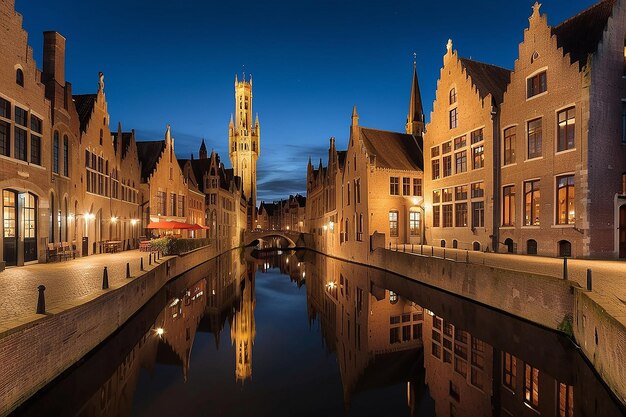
{"x":134,"y":221}
{"x":159,"y":331}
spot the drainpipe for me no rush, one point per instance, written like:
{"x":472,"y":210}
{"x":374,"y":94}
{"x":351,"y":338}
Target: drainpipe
{"x":495,"y":237}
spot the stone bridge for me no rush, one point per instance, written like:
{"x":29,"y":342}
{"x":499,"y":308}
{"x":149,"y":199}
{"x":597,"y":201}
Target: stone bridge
{"x":294,"y":239}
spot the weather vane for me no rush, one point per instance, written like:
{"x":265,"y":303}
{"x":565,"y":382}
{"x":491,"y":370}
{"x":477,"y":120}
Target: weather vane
{"x":414,"y":59}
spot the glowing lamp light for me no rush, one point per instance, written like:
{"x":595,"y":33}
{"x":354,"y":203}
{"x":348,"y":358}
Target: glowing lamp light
{"x":331,"y":285}
{"x":113,"y":219}
{"x":133,"y":221}
{"x":159,"y":331}
{"x":325,"y":227}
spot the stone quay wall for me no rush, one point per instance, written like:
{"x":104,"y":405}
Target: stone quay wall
{"x":36,"y":352}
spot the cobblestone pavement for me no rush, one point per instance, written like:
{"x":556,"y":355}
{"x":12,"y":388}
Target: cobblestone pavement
{"x":64,"y":281}
{"x":608,"y":276}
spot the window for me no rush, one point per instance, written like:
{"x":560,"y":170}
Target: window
{"x":461,"y":215}
{"x":478,"y":157}
{"x":348,"y":195}
{"x":21,"y":117}
{"x":447,"y":166}
{"x":447,"y":195}
{"x":446,"y":147}
{"x":566,"y":212}
{"x":478,"y":214}
{"x":531,"y":385}
{"x":460,"y":192}
{"x":357,"y":190}
{"x":5,"y":127}
{"x":567,"y":126}
{"x":478,"y":189}
{"x":460,"y":142}
{"x":447,"y":215}
{"x":414,"y":223}
{"x":9,"y":213}
{"x":436,"y":216}
{"x":434,"y":152}
{"x":566,"y":400}
{"x":394,"y":335}
{"x":508,"y":211}
{"x":453,"y":118}
{"x":537,"y":84}
{"x":55,"y":153}
{"x":531,"y":203}
{"x":20,"y":143}
{"x":19,"y":77}
{"x":417,"y":187}
{"x":534,"y":138}
{"x":394,"y":186}
{"x":36,"y":130}
{"x":161,"y":203}
{"x":181,"y":206}
{"x":436,"y":196}
{"x":509,"y":146}
{"x":435,"y":163}
{"x":531,"y":247}
{"x":509,"y":370}
{"x":393,"y":223}
{"x":477,"y":136}
{"x":66,"y":156}
{"x":461,"y":161}
{"x":102,"y":136}
{"x":453,"y":95}
{"x":406,"y":186}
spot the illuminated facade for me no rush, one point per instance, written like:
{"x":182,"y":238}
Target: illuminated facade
{"x":243,"y":329}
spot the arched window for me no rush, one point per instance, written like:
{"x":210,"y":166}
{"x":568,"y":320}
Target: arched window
{"x":19,"y":77}
{"x":455,"y":244}
{"x":531,"y":247}
{"x":55,"y":153}
{"x":393,"y":297}
{"x":452,"y":95}
{"x":476,"y":246}
{"x":51,"y":234}
{"x":66,"y":156}
{"x":443,"y":243}
{"x":101,"y":136}
{"x":565,"y":248}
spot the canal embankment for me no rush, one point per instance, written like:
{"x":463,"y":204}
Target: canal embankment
{"x":39,"y":347}
{"x":595,"y":318}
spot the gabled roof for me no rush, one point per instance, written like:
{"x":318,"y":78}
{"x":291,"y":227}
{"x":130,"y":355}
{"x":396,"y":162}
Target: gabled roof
{"x":580,"y":35}
{"x":149,"y":153}
{"x":394,"y":150}
{"x":488,"y":79}
{"x":84,"y":107}
{"x":199,"y":167}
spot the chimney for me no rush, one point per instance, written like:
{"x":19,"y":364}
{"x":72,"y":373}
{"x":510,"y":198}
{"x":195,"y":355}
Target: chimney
{"x":54,"y":57}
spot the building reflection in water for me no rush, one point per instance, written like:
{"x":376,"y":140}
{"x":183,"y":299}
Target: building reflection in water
{"x":450,"y":356}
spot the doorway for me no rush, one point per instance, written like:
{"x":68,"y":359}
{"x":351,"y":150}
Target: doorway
{"x":19,"y":214}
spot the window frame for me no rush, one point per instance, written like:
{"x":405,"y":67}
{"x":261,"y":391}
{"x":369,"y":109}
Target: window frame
{"x":537,"y":74}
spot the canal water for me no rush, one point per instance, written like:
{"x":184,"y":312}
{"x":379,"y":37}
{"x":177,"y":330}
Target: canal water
{"x":300,"y":334}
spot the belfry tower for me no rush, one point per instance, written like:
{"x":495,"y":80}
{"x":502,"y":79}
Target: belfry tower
{"x":244,"y":137}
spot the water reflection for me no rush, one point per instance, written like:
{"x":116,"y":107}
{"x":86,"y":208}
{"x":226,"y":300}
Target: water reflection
{"x":389,"y":347}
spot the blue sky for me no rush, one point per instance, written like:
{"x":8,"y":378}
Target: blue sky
{"x":312,"y":60}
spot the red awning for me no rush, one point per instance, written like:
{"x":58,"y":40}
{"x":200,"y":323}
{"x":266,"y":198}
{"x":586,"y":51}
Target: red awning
{"x":199,"y":227}
{"x":169,"y":225}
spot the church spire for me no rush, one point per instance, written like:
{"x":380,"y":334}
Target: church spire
{"x":415,"y":119}
{"x":203,"y":153}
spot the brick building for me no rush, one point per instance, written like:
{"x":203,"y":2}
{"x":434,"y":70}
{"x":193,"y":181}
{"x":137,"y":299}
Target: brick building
{"x":563,"y":154}
{"x":460,"y":143}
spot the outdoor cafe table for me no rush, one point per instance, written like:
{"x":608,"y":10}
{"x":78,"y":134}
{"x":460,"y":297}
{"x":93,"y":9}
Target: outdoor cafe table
{"x":112,"y":246}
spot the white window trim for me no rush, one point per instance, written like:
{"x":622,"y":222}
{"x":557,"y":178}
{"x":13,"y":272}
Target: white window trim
{"x":540,"y":70}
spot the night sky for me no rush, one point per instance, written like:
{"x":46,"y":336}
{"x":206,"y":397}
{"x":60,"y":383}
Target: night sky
{"x":312,"y":60}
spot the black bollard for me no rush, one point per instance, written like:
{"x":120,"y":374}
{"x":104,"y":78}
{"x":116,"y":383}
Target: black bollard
{"x":141,"y":264}
{"x":105,"y":279}
{"x":444,"y":253}
{"x":127,"y":269}
{"x":432,"y":251}
{"x":41,"y":300}
{"x":389,"y":245}
{"x":565,"y":268}
{"x":589,"y":280}
{"x":150,"y":258}
{"x":466,"y":256}
{"x":404,"y":247}
{"x":421,"y":248}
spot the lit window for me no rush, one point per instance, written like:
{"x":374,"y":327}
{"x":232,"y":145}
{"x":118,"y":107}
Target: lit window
{"x":508,"y":206}
{"x":537,"y":84}
{"x":566,"y":212}
{"x":531,"y":386}
{"x":531,"y":203}
{"x":566,"y":400}
{"x":414,"y":222}
{"x":478,"y":157}
{"x":509,"y":370}
{"x":461,"y":215}
{"x":393,"y":223}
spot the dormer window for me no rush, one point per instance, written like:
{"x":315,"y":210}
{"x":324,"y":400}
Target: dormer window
{"x":453,"y":95}
{"x":19,"y":77}
{"x":537,"y":84}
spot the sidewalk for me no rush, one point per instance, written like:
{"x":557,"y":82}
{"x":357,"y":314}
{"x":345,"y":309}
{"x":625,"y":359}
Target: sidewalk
{"x":608,"y":276}
{"x":64,"y":281}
